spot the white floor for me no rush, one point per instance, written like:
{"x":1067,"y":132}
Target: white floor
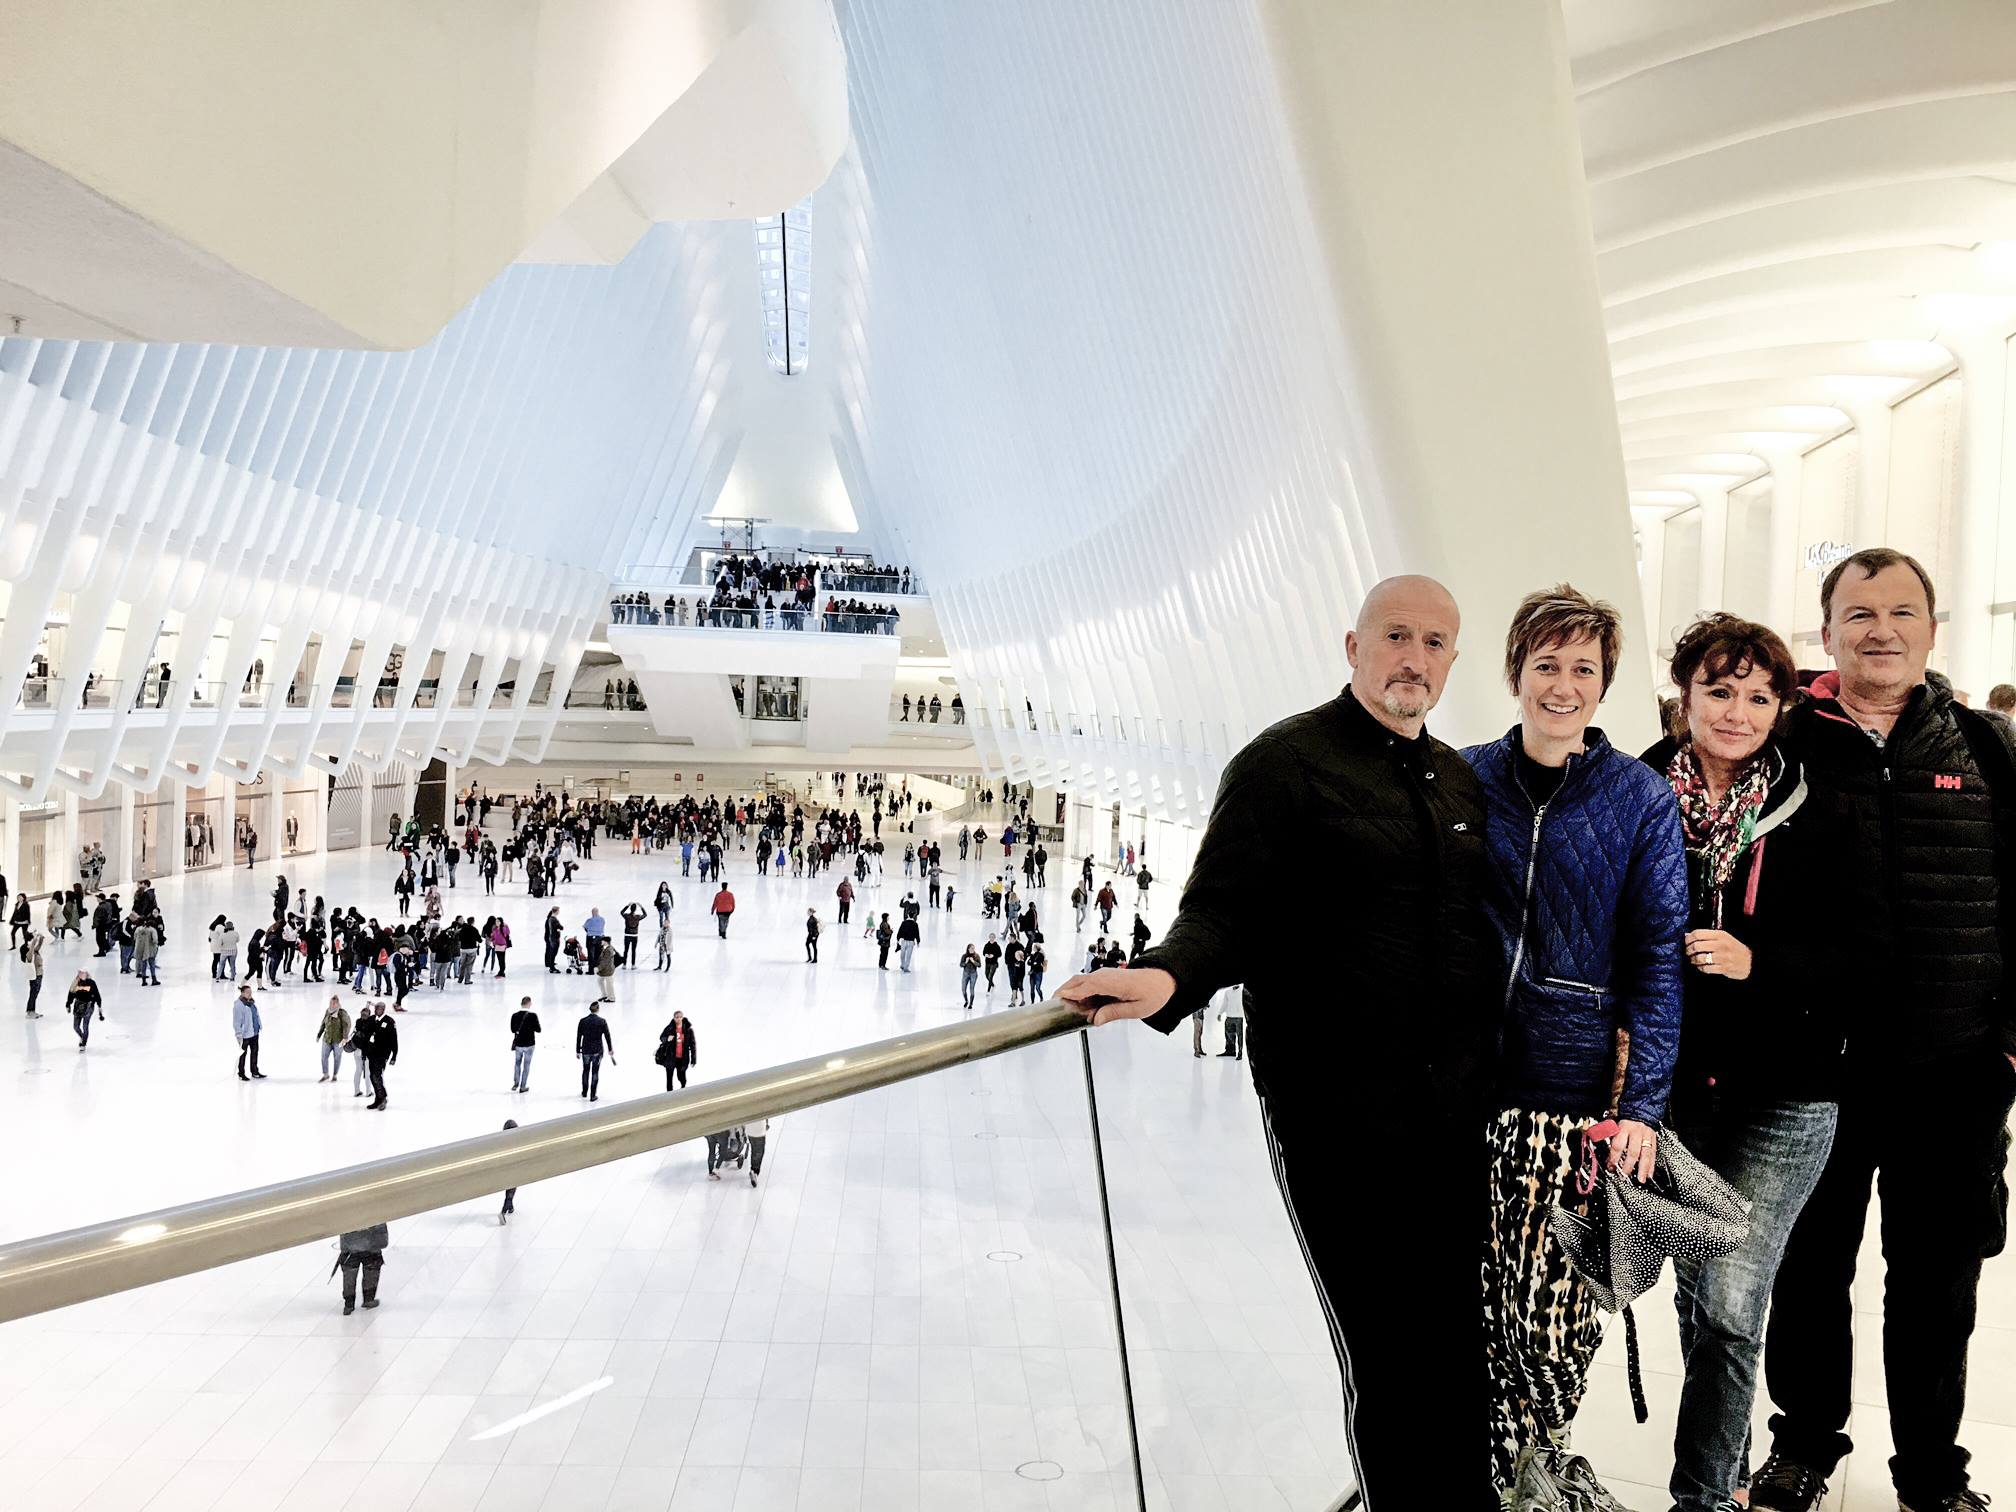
{"x":910,"y":1312}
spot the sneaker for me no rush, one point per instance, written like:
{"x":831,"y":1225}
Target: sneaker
{"x":1963,"y":1500}
{"x":1579,"y":1476}
{"x":349,"y":1308}
{"x":369,"y":1303}
{"x":1785,"y":1485}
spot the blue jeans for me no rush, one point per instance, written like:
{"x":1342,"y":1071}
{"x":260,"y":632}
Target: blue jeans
{"x":521,"y":1066}
{"x":1773,"y":1153}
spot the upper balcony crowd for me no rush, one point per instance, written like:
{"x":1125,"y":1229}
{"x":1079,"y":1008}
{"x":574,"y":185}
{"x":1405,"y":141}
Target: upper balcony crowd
{"x":754,"y":593}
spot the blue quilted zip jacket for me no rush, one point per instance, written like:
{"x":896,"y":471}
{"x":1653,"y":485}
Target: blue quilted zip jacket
{"x":1589,"y":897}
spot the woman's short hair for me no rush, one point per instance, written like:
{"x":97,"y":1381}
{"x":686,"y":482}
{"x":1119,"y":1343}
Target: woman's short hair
{"x":1561,"y":616}
{"x":1726,"y":645}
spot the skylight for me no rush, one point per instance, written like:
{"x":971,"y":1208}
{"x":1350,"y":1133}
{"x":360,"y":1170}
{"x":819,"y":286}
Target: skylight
{"x":783,"y":257}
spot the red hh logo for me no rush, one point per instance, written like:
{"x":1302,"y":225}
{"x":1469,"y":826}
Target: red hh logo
{"x":1946,"y":781}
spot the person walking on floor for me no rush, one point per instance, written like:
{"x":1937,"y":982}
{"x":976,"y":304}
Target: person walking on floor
{"x":759,"y":1139}
{"x":907,"y":936}
{"x":605,"y":972}
{"x":360,"y":1045}
{"x":1232,"y":1019}
{"x":678,"y":1049}
{"x":633,"y":920}
{"x":524,"y":1037}
{"x":592,"y":1040}
{"x":382,"y":1051}
{"x":664,"y":943}
{"x":969,"y":974}
{"x":1400,"y":903}
{"x":31,"y":950}
{"x":245,"y":1025}
{"x":83,"y":1002}
{"x":146,"y":947}
{"x":885,"y":935}
{"x":330,"y":1036}
{"x":554,"y":930}
{"x":362,"y":1251}
{"x":1913,"y":792}
{"x":723,"y":908}
{"x":500,"y":943}
{"x":812,"y":936}
{"x":510,"y":1193}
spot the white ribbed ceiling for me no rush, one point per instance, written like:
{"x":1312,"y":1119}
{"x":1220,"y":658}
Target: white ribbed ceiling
{"x":1796,"y":203}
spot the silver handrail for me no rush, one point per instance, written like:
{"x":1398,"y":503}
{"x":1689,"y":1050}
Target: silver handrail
{"x":37,"y":1275}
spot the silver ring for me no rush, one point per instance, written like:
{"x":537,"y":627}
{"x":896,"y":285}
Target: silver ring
{"x":1707,"y":958}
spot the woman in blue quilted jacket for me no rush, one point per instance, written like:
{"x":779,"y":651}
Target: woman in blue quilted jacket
{"x":1588,"y":893}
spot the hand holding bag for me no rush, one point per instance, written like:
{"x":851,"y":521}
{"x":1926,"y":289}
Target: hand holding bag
{"x":1686,"y":1210}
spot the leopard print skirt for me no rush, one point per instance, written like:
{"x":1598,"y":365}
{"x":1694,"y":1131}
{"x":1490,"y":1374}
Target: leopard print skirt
{"x":1542,"y":1325}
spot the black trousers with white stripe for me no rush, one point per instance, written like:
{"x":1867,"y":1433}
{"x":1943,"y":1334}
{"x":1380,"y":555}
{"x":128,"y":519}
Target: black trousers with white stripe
{"x":1387,"y":1208}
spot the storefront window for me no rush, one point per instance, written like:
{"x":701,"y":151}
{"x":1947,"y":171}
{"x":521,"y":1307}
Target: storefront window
{"x":98,"y":840}
{"x":39,"y":873}
{"x":301,"y":818}
{"x":203,"y":834}
{"x":150,"y":838}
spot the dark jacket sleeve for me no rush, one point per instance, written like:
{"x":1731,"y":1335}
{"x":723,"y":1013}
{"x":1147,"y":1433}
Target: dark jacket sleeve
{"x":2001,"y":734}
{"x":1652,"y":925}
{"x":1218,"y":923}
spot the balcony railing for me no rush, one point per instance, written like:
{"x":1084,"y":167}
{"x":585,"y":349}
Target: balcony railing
{"x":792,"y":618}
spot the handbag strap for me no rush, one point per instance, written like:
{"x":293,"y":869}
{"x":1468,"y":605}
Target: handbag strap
{"x":1586,"y":1167}
{"x":1633,"y":1370}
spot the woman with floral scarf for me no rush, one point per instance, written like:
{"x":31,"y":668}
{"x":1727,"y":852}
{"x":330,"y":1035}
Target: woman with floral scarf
{"x":1760,"y":1045}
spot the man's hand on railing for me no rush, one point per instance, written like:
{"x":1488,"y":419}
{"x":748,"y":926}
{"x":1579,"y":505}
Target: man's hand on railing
{"x":1118,"y":992}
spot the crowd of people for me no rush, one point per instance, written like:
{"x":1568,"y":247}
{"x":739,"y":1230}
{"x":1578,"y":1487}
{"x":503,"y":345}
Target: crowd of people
{"x":1617,"y":1008}
{"x":929,"y":709}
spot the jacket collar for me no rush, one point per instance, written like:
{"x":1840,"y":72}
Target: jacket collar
{"x":1358,"y":725}
{"x":1787,"y":789}
{"x":1929,"y":698}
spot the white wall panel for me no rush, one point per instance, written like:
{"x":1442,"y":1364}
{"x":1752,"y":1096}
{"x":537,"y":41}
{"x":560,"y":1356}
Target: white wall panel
{"x":1113,"y":451}
{"x":464,"y":503}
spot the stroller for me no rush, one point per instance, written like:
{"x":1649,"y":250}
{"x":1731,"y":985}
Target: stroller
{"x":730,"y":1144}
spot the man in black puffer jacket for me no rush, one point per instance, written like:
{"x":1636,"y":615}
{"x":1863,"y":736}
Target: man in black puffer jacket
{"x":1916,"y":793}
{"x":1341,"y":879}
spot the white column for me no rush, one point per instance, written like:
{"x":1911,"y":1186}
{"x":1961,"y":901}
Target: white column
{"x":1651,"y":530}
{"x":120,"y":858}
{"x":63,"y":866}
{"x":1970,"y":589}
{"x":174,"y":854}
{"x":1714,"y":547}
{"x":1869,"y":515}
{"x":1470,"y":311}
{"x":370,"y":823}
{"x":1788,"y":478}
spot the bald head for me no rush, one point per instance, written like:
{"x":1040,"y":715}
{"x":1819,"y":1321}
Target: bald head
{"x":1410,"y":594}
{"x":1401,"y":650}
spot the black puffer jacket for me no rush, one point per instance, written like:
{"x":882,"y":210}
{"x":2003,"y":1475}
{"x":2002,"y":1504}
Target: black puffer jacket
{"x":1341,"y":879}
{"x":1924,"y":901}
{"x":1777,"y":1034}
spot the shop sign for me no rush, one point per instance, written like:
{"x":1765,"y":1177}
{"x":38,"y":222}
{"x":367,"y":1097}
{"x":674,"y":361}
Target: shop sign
{"x":1823,"y":555}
